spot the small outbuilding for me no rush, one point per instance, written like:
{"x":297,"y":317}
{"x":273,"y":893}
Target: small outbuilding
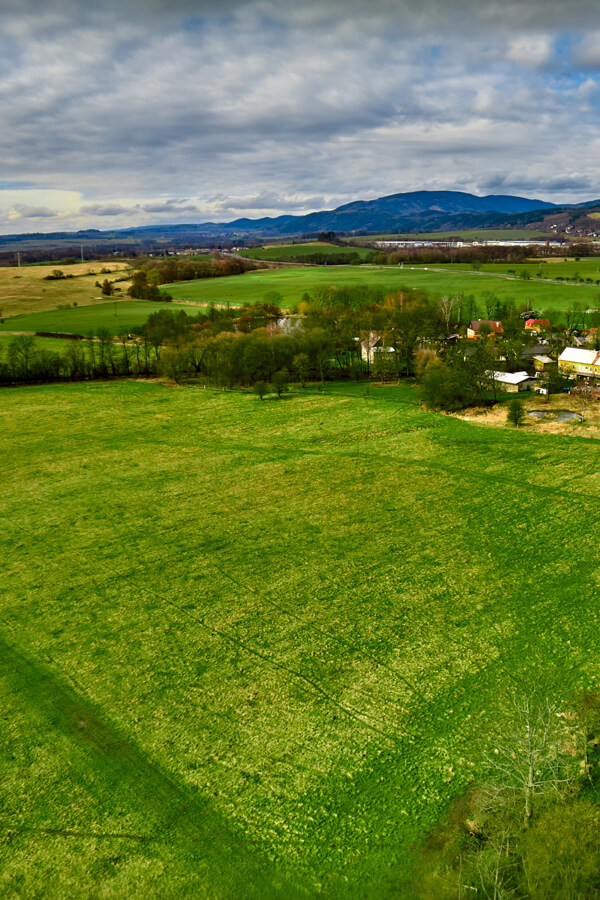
{"x":513,"y":382}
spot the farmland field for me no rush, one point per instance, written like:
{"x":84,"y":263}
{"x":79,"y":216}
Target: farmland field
{"x":118,"y":316}
{"x":250,"y":648}
{"x":553,"y":268}
{"x":25,"y":290}
{"x":441,"y":280}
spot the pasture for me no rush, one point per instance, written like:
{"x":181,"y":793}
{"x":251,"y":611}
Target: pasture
{"x":25,"y":290}
{"x":253,"y":648}
{"x":119,"y":316}
{"x":437,"y":281}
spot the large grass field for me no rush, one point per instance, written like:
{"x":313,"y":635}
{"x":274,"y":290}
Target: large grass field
{"x":438,"y":281}
{"x":249,"y":649}
{"x":25,"y":290}
{"x":118,"y":316}
{"x":551,"y":268}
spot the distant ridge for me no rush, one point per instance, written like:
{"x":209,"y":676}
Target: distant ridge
{"x":386,"y":213}
{"x":404,"y":212}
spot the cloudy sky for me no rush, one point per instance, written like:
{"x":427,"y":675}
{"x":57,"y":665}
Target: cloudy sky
{"x":129,"y":112}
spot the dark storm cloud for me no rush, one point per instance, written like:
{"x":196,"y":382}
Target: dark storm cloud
{"x":509,"y":14}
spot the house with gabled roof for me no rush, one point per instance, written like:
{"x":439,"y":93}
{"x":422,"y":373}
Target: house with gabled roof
{"x":535,"y":325}
{"x":477,"y":324}
{"x":576,"y":361}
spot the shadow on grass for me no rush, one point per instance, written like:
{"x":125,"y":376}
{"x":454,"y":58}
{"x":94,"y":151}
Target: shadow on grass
{"x":129,"y":783}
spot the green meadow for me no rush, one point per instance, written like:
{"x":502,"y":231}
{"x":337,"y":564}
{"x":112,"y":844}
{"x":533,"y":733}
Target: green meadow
{"x":551,"y":268}
{"x":118,"y":316}
{"x":438,"y":281}
{"x":254,"y":649}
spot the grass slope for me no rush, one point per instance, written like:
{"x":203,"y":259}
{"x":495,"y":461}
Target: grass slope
{"x":247,"y":648}
{"x":118,"y":316}
{"x":24,"y":290}
{"x":292,"y":283}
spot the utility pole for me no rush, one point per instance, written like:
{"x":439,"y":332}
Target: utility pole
{"x":82,"y":253}
{"x":19,"y":259}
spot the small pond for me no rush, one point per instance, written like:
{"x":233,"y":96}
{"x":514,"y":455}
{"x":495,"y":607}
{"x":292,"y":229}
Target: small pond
{"x":551,"y":415}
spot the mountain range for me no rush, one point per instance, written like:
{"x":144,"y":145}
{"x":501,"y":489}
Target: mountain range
{"x":405,"y":212}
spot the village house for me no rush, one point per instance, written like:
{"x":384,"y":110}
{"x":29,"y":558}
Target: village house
{"x":541,"y":362}
{"x":575,"y":361}
{"x":477,"y":324}
{"x":534,"y":326}
{"x":372,"y":345}
{"x":513,"y":382}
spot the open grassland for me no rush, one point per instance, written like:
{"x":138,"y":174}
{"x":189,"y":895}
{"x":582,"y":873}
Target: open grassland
{"x":24,"y":290}
{"x":248,"y":648}
{"x":437,"y":281}
{"x":118,"y":316}
{"x":301,"y":251}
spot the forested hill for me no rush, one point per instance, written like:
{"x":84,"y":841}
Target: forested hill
{"x":396,"y":211}
{"x":409,"y":212}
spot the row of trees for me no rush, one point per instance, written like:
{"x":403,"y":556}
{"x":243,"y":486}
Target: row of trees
{"x":98,"y":356}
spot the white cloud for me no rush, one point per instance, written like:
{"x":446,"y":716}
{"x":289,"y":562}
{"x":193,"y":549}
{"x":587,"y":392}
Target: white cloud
{"x":531,"y":50}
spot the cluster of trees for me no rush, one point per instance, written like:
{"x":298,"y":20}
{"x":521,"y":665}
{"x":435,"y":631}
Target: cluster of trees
{"x":153,"y":272}
{"x":530,"y":829}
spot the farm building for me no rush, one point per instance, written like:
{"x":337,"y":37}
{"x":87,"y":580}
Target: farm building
{"x":513,"y":382}
{"x":580,"y":362}
{"x":541,"y":362}
{"x":477,"y":324}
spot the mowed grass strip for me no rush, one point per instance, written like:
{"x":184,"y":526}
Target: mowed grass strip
{"x":295,"y":619}
{"x":292,"y":283}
